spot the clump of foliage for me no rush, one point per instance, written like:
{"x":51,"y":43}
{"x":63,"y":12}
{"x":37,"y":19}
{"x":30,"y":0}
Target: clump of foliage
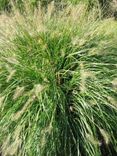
{"x":58,"y":80}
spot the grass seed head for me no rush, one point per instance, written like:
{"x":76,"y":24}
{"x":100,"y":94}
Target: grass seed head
{"x":10,"y":76}
{"x":1,"y":100}
{"x":18,"y":92}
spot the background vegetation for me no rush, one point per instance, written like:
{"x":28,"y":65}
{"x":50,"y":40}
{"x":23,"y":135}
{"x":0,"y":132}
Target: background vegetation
{"x":6,"y":4}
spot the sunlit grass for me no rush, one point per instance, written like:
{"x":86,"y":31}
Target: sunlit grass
{"x":58,"y":75}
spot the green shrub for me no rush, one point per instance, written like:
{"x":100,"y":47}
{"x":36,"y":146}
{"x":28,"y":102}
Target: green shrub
{"x":58,"y":80}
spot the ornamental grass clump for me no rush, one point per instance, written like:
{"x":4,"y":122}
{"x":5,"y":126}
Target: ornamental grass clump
{"x":58,"y":75}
